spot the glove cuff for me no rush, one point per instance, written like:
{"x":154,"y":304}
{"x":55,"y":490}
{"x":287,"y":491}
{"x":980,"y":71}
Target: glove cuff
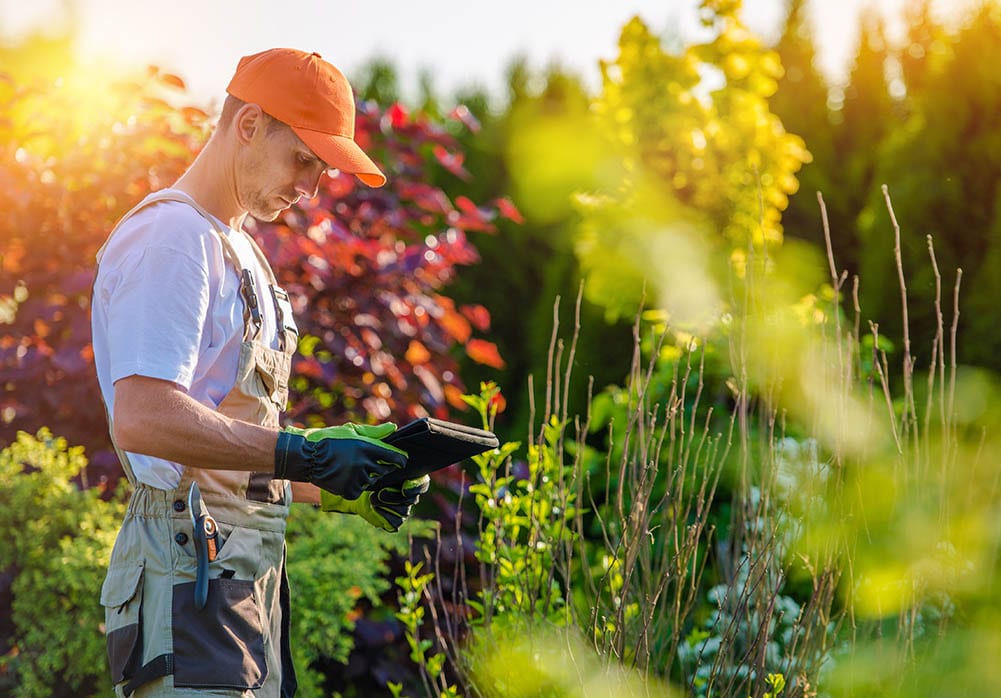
{"x":290,"y":457}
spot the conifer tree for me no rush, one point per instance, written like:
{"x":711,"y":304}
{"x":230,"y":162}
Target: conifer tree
{"x":941,"y":170}
{"x":866,"y":116}
{"x":801,"y":102}
{"x":925,"y":44}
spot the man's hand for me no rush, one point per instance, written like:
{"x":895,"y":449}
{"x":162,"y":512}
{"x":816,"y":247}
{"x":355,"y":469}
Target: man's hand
{"x":345,"y":460}
{"x":386,"y":508}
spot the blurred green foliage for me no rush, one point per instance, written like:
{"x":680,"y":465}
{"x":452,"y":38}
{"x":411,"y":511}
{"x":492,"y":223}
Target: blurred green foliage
{"x":705,"y":168}
{"x":941,"y":167}
{"x":338,"y":566}
{"x":56,"y":536}
{"x":526,"y":266}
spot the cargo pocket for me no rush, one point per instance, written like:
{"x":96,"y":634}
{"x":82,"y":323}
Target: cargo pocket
{"x":121,"y":596}
{"x":222,"y":644}
{"x":273,"y":386}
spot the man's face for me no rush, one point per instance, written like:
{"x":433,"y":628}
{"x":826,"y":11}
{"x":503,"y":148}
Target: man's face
{"x":277,"y":170}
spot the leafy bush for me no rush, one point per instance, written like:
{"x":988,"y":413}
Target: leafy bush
{"x":338,"y":567}
{"x":57,"y":540}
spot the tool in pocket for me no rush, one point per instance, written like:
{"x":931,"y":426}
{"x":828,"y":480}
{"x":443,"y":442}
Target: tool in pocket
{"x":205,"y":532}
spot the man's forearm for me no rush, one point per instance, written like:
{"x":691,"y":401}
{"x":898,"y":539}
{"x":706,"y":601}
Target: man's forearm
{"x":156,"y":418}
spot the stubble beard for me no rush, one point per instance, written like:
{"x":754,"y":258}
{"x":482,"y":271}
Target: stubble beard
{"x":260,"y":208}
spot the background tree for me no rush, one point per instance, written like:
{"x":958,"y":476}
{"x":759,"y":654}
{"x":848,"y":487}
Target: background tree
{"x":941,"y":169}
{"x":801,"y":102}
{"x":705,"y":168}
{"x":925,"y":44}
{"x":377,"y":81}
{"x":531,"y":262}
{"x":866,"y":116}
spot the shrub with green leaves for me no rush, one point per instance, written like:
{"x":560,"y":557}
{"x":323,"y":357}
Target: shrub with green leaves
{"x":524,"y":519}
{"x":56,"y":540}
{"x":335,"y":565}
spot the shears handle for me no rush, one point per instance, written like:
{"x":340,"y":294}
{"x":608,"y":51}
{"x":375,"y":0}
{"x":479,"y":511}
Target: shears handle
{"x":204,"y":533}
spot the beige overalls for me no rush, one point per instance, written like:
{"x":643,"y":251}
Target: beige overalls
{"x":159,"y":644}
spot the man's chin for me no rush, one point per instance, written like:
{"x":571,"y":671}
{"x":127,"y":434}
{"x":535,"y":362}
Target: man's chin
{"x":266,"y":216}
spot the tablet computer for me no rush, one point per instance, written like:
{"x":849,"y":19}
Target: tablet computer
{"x":432,"y":444}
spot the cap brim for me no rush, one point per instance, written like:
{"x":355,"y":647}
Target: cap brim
{"x":343,"y":154}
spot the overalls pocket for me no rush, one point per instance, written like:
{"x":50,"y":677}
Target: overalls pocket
{"x":121,"y":596}
{"x":272,"y":376}
{"x":222,"y":644}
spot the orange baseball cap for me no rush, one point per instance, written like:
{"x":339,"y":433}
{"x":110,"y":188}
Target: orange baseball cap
{"x":314,"y":98}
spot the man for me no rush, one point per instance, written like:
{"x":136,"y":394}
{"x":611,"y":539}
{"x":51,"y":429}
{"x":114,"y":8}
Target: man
{"x":193,"y":341}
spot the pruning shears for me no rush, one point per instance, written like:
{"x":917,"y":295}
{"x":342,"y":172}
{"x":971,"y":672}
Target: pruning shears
{"x":204,"y":534}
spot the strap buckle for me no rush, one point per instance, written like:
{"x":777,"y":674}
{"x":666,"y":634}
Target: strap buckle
{"x":249,"y":293}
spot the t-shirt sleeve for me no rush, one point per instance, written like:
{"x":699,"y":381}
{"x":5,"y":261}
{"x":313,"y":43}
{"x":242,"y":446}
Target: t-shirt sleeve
{"x":157,"y":310}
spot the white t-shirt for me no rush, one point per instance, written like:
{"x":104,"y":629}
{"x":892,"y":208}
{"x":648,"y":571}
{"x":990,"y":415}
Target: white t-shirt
{"x":167,"y":305}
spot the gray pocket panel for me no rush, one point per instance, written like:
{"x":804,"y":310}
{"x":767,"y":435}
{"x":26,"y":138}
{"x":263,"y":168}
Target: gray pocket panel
{"x":121,"y":596}
{"x":221,"y":645}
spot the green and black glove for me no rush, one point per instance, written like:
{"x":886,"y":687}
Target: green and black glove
{"x":386,"y":508}
{"x":344,"y":460}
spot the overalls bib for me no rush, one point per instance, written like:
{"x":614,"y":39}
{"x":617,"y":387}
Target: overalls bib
{"x":159,"y":644}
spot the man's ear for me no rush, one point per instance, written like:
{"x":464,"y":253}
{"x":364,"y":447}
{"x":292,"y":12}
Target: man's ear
{"x":249,"y":121}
